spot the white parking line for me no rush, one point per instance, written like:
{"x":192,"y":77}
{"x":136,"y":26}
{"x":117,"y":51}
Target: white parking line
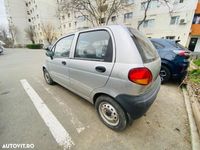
{"x":61,"y":136}
{"x":74,"y":120}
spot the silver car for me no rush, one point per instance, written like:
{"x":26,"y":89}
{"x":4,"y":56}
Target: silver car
{"x":1,"y":49}
{"x":116,"y":68}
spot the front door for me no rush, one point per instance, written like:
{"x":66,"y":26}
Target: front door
{"x":58,"y":65}
{"x":92,"y":63}
{"x":192,"y":44}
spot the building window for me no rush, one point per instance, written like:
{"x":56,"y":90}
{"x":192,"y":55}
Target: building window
{"x":152,"y":4}
{"x":196,"y":19}
{"x":148,"y":23}
{"x":113,"y":18}
{"x":181,"y":1}
{"x":174,"y":20}
{"x":37,"y":16}
{"x":69,"y":24}
{"x":170,"y":37}
{"x":82,"y":18}
{"x":75,"y":23}
{"x":68,"y":15}
{"x":128,"y":16}
{"x":64,"y":26}
{"x":28,"y":12}
{"x":29,"y":20}
{"x":63,"y":17}
{"x":26,"y":4}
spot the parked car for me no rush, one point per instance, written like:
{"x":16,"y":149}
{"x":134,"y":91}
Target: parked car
{"x":114,"y":67}
{"x":174,"y":59}
{"x":1,"y":48}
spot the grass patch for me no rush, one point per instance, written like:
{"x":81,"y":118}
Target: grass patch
{"x":194,"y":75}
{"x":197,"y":62}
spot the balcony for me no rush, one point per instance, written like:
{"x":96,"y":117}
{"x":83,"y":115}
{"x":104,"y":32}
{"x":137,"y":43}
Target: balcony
{"x":195,"y":29}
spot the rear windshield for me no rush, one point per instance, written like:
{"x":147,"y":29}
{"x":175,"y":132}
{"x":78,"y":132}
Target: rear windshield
{"x":177,"y":45}
{"x":144,"y":45}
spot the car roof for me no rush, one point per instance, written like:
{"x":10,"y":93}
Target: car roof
{"x":161,"y":40}
{"x":98,"y":28}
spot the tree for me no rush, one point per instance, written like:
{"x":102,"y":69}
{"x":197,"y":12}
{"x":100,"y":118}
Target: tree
{"x":30,"y":34}
{"x":4,"y":36}
{"x":146,"y":5}
{"x":97,"y":12}
{"x":49,"y":32}
{"x":13,"y":33}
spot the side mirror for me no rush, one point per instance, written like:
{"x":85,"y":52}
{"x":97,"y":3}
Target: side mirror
{"x":47,"y":48}
{"x":50,"y":54}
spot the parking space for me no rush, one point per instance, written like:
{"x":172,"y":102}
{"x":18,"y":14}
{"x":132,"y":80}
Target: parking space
{"x":164,"y":126}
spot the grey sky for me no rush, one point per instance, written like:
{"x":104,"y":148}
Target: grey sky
{"x":3,"y":18}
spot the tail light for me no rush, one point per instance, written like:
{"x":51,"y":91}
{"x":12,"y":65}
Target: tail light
{"x":142,"y":76}
{"x":182,"y":53}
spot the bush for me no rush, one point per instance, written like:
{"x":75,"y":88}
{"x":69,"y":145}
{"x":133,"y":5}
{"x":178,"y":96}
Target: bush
{"x":34,"y":46}
{"x":197,"y":62}
{"x":194,"y":75}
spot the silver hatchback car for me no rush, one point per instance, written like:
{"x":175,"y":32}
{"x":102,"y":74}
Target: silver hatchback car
{"x":114,"y":67}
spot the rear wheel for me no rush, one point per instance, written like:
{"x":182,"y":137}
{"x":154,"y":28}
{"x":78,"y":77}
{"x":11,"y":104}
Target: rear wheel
{"x":164,"y":74}
{"x":111,"y":113}
{"x":47,"y":77}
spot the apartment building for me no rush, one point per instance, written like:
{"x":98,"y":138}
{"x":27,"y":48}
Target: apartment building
{"x":41,"y":13}
{"x":17,"y":19}
{"x":24,"y":14}
{"x":194,"y":44}
{"x":172,"y":21}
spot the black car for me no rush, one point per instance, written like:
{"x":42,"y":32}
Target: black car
{"x":174,"y":59}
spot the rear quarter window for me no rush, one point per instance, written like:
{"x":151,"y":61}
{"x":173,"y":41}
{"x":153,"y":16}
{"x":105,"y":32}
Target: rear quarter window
{"x":144,"y":45}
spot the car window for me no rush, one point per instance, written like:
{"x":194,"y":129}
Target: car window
{"x":62,"y":47}
{"x":94,"y":45}
{"x":144,"y":45}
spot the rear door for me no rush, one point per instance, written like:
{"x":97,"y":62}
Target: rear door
{"x":92,"y":62}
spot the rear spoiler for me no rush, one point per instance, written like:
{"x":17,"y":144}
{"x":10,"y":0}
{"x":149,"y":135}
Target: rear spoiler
{"x":177,"y":41}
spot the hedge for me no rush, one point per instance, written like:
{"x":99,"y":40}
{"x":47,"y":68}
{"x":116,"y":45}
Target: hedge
{"x":34,"y":46}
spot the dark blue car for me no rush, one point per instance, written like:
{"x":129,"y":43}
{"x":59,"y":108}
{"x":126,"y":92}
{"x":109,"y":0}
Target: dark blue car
{"x":174,"y":59}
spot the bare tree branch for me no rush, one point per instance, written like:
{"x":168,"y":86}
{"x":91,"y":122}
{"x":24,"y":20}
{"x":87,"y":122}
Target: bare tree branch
{"x":148,"y":2}
{"x":30,"y":34}
{"x":98,"y":12}
{"x":49,"y":32}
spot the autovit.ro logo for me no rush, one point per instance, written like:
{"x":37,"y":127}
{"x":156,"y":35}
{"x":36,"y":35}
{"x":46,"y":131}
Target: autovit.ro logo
{"x":17,"y":146}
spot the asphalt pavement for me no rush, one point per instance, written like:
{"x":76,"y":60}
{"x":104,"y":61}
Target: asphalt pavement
{"x":60,"y":113}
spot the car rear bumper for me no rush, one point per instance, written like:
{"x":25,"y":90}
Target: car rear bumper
{"x":136,"y":106}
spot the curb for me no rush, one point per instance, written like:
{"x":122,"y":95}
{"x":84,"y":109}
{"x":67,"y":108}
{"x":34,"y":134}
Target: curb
{"x":195,"y":140}
{"x":195,"y":106}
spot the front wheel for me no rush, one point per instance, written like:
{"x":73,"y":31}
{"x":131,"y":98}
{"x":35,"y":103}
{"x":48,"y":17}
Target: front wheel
{"x":111,"y":113}
{"x":47,"y":77}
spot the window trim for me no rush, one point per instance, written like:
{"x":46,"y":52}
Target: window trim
{"x":54,"y":46}
{"x":92,"y":59}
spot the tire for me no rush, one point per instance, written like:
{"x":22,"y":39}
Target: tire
{"x":111,"y":113}
{"x":47,"y":77}
{"x":165,"y":74}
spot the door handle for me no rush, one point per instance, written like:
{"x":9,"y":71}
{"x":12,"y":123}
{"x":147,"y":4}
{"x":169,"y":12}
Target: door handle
{"x":100,"y":69}
{"x":64,"y":62}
